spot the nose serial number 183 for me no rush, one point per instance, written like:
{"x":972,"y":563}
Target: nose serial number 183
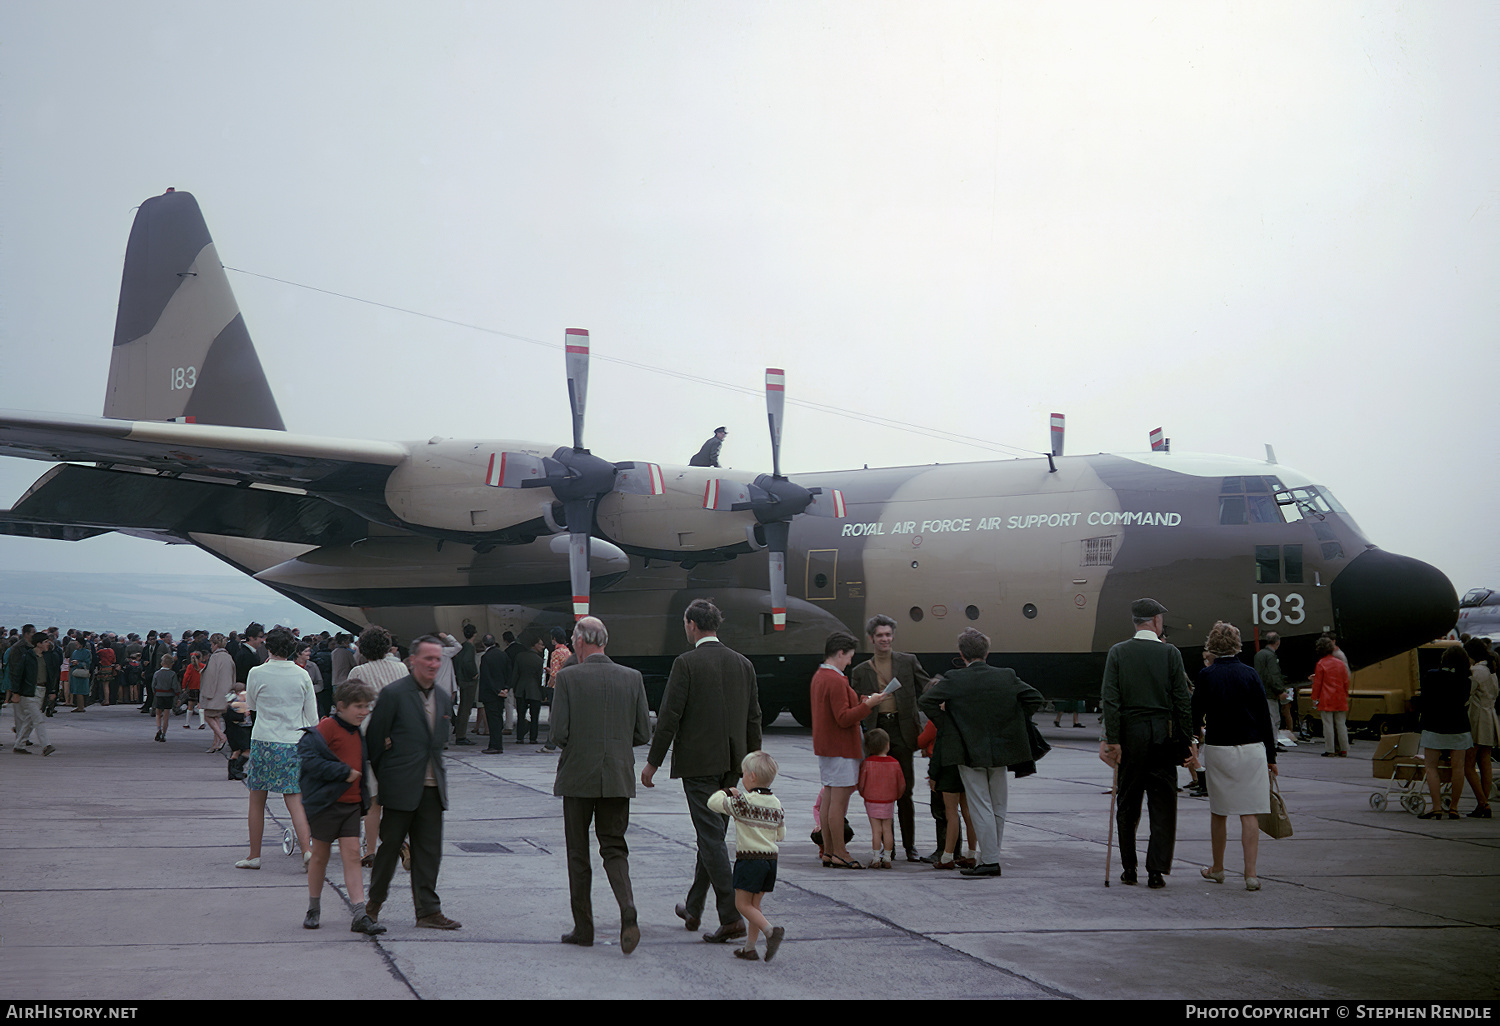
{"x":183,"y":377}
{"x":1272,"y":609}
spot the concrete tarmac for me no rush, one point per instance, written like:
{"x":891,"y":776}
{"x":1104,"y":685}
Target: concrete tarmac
{"x":120,"y":885}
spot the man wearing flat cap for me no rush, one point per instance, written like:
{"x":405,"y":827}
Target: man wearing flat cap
{"x":1147,"y":735}
{"x":708,"y":456}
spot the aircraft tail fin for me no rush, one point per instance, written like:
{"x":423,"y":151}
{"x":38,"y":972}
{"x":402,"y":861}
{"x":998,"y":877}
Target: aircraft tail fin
{"x":181,"y":349}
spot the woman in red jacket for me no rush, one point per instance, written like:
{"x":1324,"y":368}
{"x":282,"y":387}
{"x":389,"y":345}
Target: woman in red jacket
{"x":1330,"y":692}
{"x":837,"y":742}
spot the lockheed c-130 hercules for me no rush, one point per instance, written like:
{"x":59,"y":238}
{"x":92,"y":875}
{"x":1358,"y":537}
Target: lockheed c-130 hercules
{"x":1044,"y":555}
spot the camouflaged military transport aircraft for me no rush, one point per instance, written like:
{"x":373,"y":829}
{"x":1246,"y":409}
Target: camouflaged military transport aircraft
{"x":1043,"y":554}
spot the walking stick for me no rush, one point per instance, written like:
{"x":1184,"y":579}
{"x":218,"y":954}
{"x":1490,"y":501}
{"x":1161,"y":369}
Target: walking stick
{"x":1109,"y":847}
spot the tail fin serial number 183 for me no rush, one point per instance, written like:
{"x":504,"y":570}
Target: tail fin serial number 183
{"x":184,"y":377}
{"x":1272,"y":609}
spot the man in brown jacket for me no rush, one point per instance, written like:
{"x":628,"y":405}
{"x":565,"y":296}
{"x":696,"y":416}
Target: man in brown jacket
{"x":711,"y":710}
{"x":599,"y":714}
{"x":897,"y":713}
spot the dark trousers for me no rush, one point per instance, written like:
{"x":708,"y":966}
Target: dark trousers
{"x":533,"y":706}
{"x":712,"y":868}
{"x":611,"y":818}
{"x":1147,"y":769}
{"x":324,"y":700}
{"x":422,"y":828}
{"x":906,"y":814}
{"x":467,"y":692}
{"x":494,"y":708}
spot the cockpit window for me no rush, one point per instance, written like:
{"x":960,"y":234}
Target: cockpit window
{"x":1248,"y":500}
{"x":1476,"y":597}
{"x":1297,"y":503}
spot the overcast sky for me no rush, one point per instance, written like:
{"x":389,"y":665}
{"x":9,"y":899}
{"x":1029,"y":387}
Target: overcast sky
{"x":1245,"y":223}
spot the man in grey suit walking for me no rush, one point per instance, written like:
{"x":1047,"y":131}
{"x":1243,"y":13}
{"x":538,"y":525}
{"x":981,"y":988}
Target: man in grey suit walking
{"x":599,"y":714}
{"x":711,"y":710}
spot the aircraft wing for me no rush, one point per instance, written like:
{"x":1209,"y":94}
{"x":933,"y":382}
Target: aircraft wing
{"x":231,"y":454}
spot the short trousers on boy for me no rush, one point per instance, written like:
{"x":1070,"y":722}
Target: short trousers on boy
{"x":836,"y":771}
{"x":192,"y":694}
{"x":274,"y":766}
{"x":880,"y":810}
{"x":338,"y":820}
{"x":162,"y":702}
{"x":755,"y":875}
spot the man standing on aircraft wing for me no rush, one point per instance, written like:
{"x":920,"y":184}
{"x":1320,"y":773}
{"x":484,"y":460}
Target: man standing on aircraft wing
{"x":712,"y":711}
{"x":708,"y":456}
{"x":897,"y":712}
{"x":1147,"y":735}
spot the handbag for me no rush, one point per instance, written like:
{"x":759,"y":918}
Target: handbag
{"x":1276,"y":823}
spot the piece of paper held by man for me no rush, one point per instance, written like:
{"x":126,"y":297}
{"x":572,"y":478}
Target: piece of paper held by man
{"x":892,"y":686}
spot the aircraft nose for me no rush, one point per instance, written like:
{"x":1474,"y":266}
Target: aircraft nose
{"x":1385,"y":604}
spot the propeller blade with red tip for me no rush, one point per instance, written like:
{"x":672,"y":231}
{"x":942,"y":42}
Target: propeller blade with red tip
{"x":577,"y":361}
{"x":775,"y":406}
{"x":776,"y":540}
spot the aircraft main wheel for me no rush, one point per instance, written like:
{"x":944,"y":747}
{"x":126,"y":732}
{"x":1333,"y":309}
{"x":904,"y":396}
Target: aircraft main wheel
{"x":802,"y":713}
{"x":768,"y":714}
{"x":1377,"y":802}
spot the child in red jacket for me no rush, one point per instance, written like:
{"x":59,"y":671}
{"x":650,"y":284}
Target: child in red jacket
{"x":881,"y":782}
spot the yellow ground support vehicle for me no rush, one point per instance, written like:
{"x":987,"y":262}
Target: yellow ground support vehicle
{"x":1384,"y":695}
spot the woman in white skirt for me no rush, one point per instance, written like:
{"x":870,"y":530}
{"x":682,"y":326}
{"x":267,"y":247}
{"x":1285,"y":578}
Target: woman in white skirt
{"x":1240,"y":752}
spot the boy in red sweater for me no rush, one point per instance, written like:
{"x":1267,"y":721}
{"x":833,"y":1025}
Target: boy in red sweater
{"x":881,"y":783}
{"x":335,"y":797}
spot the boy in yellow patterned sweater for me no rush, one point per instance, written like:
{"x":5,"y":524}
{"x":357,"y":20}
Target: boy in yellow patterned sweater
{"x":758,"y":825}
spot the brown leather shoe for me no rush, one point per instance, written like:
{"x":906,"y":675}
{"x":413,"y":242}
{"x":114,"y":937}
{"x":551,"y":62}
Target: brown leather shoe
{"x":434,"y":921}
{"x":733,"y":931}
{"x":688,"y":919}
{"x":630,"y":936}
{"x":582,"y":940}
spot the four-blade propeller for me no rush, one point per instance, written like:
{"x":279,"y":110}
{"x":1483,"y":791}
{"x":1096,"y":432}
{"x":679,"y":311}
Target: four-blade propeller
{"x":773,"y":499}
{"x":577,"y":477}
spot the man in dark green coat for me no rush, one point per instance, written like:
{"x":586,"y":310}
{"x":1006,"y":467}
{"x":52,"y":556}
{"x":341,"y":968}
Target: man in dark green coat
{"x":1147,"y":735}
